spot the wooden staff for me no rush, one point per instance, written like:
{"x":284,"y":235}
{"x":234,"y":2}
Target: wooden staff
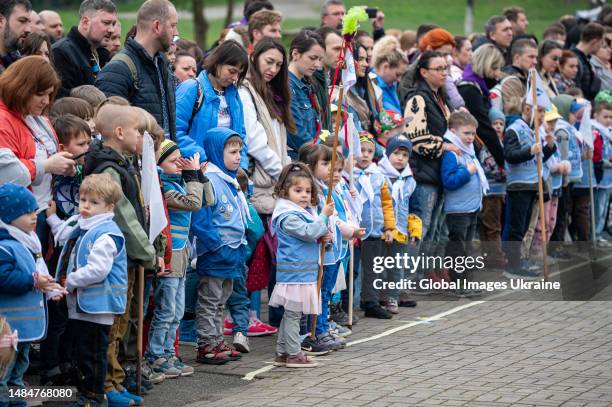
{"x":539,"y":164}
{"x":140,"y":271}
{"x":352,"y":250}
{"x":327,"y":201}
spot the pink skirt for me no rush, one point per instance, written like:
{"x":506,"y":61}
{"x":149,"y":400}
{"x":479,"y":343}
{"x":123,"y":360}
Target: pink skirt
{"x":302,"y":298}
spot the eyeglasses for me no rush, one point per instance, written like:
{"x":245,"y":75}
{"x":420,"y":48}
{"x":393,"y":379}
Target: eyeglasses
{"x":439,"y":69}
{"x":336,"y":14}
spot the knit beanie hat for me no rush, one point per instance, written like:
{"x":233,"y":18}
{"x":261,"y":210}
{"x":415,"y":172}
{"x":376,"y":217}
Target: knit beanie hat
{"x":496,"y":114}
{"x":15,"y":201}
{"x":366,"y":137}
{"x":399,"y":141}
{"x":166,"y":148}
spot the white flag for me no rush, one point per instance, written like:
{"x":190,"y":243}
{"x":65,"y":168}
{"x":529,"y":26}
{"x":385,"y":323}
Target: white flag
{"x":354,"y":145}
{"x":585,"y":127}
{"x":542,"y":96}
{"x":348,"y":74}
{"x":151,"y":190}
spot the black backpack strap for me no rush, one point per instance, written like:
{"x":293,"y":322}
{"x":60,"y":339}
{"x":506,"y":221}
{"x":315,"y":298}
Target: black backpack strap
{"x":197,"y":105}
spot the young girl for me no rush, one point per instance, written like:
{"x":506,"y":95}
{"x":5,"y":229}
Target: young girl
{"x":298,"y":230}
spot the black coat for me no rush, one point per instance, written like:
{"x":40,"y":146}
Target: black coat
{"x":75,"y":62}
{"x":117,"y":80}
{"x":586,"y":79}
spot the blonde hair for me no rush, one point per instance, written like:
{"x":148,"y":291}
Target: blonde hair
{"x":148,"y":123}
{"x":387,"y":50}
{"x":513,"y":92}
{"x":486,"y":57}
{"x":103,"y":186}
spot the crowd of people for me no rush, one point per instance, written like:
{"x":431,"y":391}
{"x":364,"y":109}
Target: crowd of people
{"x":214,"y":173}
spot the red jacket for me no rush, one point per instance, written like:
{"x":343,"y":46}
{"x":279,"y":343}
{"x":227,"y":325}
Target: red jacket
{"x":17,"y":136}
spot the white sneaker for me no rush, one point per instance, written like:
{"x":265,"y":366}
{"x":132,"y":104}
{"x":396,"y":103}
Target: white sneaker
{"x":241,"y":343}
{"x":603,"y":243}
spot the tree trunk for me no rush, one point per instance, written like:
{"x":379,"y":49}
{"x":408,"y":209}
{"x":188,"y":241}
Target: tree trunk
{"x":230,"y":13}
{"x":468,"y":26}
{"x":200,"y":24}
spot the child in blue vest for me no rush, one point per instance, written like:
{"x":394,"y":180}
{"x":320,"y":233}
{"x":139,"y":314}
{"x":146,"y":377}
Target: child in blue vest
{"x":394,"y":165}
{"x":298,"y":230}
{"x":602,"y":119}
{"x":183,"y":184}
{"x":220,"y":243}
{"x":93,"y":268}
{"x":520,"y":151}
{"x":379,"y":222}
{"x":465,"y":184}
{"x":24,"y":278}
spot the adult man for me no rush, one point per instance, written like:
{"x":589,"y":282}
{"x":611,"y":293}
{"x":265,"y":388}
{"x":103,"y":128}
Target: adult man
{"x":80,"y":56}
{"x":36,"y":24}
{"x":113,"y":45}
{"x":143,"y":60}
{"x":321,"y":78}
{"x":14,"y":28}
{"x":332,"y":12}
{"x":498,"y":31}
{"x":518,"y":19}
{"x":53,"y":24}
{"x":265,"y":23}
{"x":555,"y":32}
{"x":524,"y":56}
{"x":590,"y":42}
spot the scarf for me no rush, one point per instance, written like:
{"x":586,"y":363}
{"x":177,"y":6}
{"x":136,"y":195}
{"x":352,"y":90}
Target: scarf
{"x":213,"y":169}
{"x":470,"y":76}
{"x":363,"y":178}
{"x":31,"y":242}
{"x":469,"y":150}
{"x":96,"y":220}
{"x":397,"y":191}
{"x":284,"y":206}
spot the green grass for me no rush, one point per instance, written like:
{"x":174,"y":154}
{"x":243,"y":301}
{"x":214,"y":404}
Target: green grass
{"x":402,"y":14}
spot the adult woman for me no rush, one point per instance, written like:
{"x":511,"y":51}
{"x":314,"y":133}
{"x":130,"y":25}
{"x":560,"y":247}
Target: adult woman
{"x":212,"y":100}
{"x":548,"y":63}
{"x":27,"y":88}
{"x":306,"y":51}
{"x":600,"y":62}
{"x":265,"y":97}
{"x":184,"y":67}
{"x":478,"y":78}
{"x":568,"y":69}
{"x":462,"y":55}
{"x":389,"y":65}
{"x":38,"y":43}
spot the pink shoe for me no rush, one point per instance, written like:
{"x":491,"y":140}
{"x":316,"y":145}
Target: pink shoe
{"x":270,"y":328}
{"x":258,"y":328}
{"x":228,"y":326}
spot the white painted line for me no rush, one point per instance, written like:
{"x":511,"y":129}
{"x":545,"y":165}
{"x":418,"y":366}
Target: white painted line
{"x":401,"y":328}
{"x":251,"y":375}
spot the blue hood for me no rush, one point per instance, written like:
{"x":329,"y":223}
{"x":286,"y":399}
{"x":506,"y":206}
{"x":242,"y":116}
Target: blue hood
{"x":214,"y":142}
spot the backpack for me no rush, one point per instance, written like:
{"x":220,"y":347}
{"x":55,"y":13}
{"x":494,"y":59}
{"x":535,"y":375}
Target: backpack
{"x":197,"y":104}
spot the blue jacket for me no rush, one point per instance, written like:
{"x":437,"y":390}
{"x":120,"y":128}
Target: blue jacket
{"x":304,"y":115}
{"x":23,"y":306}
{"x":180,"y":220}
{"x":206,"y":118}
{"x":372,"y":218}
{"x":297,"y":261}
{"x":390,"y":100}
{"x":462,"y":190}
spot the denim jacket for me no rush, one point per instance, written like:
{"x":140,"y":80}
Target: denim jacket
{"x":304,"y":115}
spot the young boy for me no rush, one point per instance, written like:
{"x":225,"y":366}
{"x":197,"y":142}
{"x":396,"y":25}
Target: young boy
{"x":465,"y":184}
{"x":24,"y":278}
{"x":395,"y":166}
{"x":601,"y":122}
{"x":520,"y":151}
{"x":220,"y":242}
{"x":93,"y":268}
{"x":183,"y":187}
{"x":119,"y":128}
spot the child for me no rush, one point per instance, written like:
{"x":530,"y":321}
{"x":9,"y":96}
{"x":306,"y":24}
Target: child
{"x":183,"y":187}
{"x":90,"y":94}
{"x":602,"y":120}
{"x":493,"y":202}
{"x":464,"y":184}
{"x":522,"y":182}
{"x":298,"y":231}
{"x":24,"y":277}
{"x":93,"y":268}
{"x":77,"y":107}
{"x":394,"y":165}
{"x":119,"y":128}
{"x":220,"y":242}
{"x":378,"y":220}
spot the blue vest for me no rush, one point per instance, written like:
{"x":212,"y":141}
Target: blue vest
{"x":574,"y":154}
{"x":525,"y":172}
{"x":180,"y":220}
{"x":468,"y":198}
{"x":227,"y":215}
{"x":334,"y":252}
{"x":297,"y":261}
{"x":108,"y":296}
{"x":606,"y":180}
{"x":372,"y":214}
{"x":556,"y":178}
{"x":27,"y":312}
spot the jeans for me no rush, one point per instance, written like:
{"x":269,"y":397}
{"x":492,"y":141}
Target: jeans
{"x":330,"y":274}
{"x":213,"y":293}
{"x":238,"y":304}
{"x":169,"y":309}
{"x":461,"y":231}
{"x":518,"y":219}
{"x":602,"y":199}
{"x":90,"y":347}
{"x":15,"y":375}
{"x":429,"y":199}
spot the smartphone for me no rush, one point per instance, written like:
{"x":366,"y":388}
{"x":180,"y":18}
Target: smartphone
{"x":371,"y":11}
